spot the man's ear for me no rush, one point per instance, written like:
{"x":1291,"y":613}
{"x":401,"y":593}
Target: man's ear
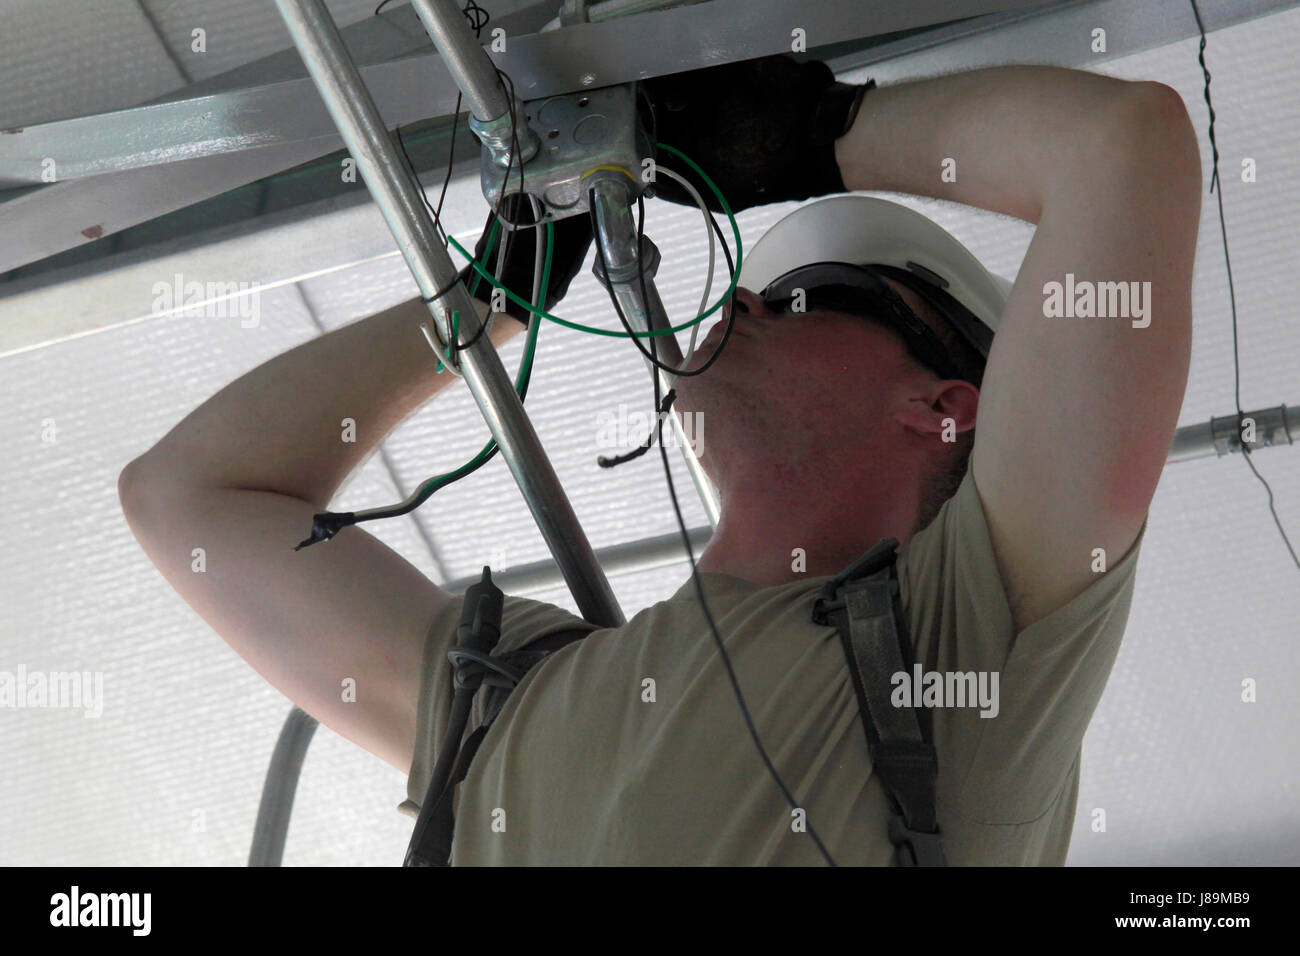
{"x":928,"y":412}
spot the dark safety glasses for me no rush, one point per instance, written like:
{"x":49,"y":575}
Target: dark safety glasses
{"x":857,"y":290}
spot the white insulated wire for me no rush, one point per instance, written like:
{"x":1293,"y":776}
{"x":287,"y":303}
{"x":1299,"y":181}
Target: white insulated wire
{"x":708,"y":281}
{"x":538,"y":300}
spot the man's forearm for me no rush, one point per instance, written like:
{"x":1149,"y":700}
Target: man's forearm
{"x":1006,"y":136}
{"x":280,"y":427}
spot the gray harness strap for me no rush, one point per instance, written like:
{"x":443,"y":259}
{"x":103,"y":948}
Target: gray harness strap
{"x":864,"y":604}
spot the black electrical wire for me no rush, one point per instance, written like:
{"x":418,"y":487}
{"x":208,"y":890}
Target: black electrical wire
{"x":508,"y":235}
{"x":717,"y":637}
{"x":731,"y":303}
{"x":681,"y":522}
{"x":652,"y":357}
{"x":1232,"y":296}
{"x":327,"y":524}
{"x":644,"y":447}
{"x":471,"y":11}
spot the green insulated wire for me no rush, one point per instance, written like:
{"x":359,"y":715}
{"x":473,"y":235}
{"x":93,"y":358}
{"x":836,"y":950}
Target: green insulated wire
{"x":735,"y":229}
{"x":431,"y":485}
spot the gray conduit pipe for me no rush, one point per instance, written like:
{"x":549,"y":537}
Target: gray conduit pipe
{"x":277,"y":792}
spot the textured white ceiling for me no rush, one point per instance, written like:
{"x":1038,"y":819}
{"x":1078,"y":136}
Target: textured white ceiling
{"x":65,"y":58}
{"x":1186,"y":772}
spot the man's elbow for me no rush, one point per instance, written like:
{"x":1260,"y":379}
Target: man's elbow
{"x":1162,"y":134}
{"x":140,"y":487}
{"x":130,"y":487}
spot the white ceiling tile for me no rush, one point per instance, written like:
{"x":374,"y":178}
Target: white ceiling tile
{"x":65,"y":58}
{"x":235,"y":32}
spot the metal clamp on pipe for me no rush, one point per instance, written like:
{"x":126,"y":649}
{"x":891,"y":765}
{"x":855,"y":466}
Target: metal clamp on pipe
{"x":490,"y":106}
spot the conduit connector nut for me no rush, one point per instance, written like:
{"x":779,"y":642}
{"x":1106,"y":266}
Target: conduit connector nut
{"x":495,"y":135}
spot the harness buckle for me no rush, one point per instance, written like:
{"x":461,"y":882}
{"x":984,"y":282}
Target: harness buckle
{"x":915,"y":847}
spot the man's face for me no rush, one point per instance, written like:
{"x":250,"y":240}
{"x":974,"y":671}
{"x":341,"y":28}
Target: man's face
{"x":790,"y":384}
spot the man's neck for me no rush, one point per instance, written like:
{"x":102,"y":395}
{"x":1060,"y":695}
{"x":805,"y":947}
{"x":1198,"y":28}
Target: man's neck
{"x":773,"y":536}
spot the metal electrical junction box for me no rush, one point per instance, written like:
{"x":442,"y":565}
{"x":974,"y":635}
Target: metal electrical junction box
{"x":578,"y":132}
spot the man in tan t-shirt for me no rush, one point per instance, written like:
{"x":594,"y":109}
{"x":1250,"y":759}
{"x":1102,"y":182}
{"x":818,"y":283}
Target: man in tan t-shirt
{"x":823,"y":434}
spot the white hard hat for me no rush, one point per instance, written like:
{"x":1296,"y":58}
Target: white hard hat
{"x":863,"y":230}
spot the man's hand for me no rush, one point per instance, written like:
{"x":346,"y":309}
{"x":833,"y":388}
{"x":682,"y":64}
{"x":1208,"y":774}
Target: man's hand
{"x":571,"y":244}
{"x":764,"y":130}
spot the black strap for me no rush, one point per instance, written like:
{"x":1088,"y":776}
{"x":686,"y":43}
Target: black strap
{"x":436,"y":825}
{"x":435,"y":848}
{"x":864,"y":604}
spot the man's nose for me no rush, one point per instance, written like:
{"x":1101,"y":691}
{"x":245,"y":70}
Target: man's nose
{"x":749,"y":303}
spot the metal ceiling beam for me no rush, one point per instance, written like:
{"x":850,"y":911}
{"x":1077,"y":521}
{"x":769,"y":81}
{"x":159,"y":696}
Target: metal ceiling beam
{"x":540,"y":64}
{"x":35,"y":314}
{"x":284,"y":124}
{"x":1043,"y":35}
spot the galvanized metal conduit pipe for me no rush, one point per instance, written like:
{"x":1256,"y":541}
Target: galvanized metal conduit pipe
{"x":1275,"y":426}
{"x":471,"y":69}
{"x":277,"y":792}
{"x":616,"y":233}
{"x":399,"y":200}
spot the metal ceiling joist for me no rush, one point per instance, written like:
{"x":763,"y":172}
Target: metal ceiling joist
{"x":287,"y":123}
{"x":89,"y":297}
{"x":540,"y":64}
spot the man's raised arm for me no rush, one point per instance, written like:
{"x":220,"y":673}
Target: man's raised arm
{"x":241,"y":477}
{"x":1077,"y":410}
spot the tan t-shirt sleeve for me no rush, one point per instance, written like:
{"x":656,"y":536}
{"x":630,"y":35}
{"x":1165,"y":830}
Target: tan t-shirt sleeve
{"x":523,"y":621}
{"x":1015,"y":772}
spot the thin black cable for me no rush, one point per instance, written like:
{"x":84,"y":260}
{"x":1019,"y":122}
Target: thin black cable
{"x":731,"y":304}
{"x":1232,"y":296}
{"x":713,"y":626}
{"x":506,"y":225}
{"x":446,"y":180}
{"x":515,"y":150}
{"x":652,"y":357}
{"x":471,"y":10}
{"x":645,"y":445}
{"x":681,"y":524}
{"x":327,"y":524}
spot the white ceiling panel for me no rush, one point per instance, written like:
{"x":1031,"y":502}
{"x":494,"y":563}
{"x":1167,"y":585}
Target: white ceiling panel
{"x":65,"y":58}
{"x":234,"y":33}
